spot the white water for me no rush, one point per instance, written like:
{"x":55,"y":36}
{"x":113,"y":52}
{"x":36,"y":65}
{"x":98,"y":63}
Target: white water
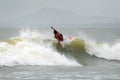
{"x":30,"y":50}
{"x":104,"y":50}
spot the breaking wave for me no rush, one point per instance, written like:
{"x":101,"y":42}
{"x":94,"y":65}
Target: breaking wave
{"x":29,"y":49}
{"x":34,"y":48}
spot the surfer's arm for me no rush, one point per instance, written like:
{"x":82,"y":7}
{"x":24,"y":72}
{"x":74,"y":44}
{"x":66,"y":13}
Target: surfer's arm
{"x":55,"y":31}
{"x":52,"y":28}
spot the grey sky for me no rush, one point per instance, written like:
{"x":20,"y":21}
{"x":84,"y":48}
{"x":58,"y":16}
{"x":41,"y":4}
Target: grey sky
{"x":12,"y":9}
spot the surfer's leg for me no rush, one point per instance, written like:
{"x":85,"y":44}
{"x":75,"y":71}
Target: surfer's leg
{"x":59,"y":45}
{"x":58,"y":42}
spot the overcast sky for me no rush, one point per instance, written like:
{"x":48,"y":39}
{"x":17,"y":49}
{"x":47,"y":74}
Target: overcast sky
{"x":12,"y":9}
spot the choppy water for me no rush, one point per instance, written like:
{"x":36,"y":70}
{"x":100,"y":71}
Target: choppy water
{"x":32,"y":54}
{"x":59,"y":73}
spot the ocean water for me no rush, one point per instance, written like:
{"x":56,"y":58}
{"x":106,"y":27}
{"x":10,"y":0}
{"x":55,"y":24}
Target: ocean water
{"x":85,"y":54}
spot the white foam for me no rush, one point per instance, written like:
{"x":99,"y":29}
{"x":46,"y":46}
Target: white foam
{"x":104,"y":50}
{"x":28,"y":52}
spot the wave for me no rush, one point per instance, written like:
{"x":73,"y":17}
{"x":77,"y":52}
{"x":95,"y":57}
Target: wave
{"x":35,"y":48}
{"x":104,"y":50}
{"x":29,"y":49}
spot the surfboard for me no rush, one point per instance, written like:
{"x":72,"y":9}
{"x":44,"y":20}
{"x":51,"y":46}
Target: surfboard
{"x":70,"y":38}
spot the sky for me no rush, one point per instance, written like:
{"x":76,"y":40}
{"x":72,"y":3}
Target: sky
{"x":13,"y":9}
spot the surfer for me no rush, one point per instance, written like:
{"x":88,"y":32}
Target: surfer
{"x":57,"y":35}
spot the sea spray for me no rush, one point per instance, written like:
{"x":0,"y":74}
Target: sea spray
{"x":32,"y":47}
{"x":104,"y":50}
{"x":29,"y":49}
